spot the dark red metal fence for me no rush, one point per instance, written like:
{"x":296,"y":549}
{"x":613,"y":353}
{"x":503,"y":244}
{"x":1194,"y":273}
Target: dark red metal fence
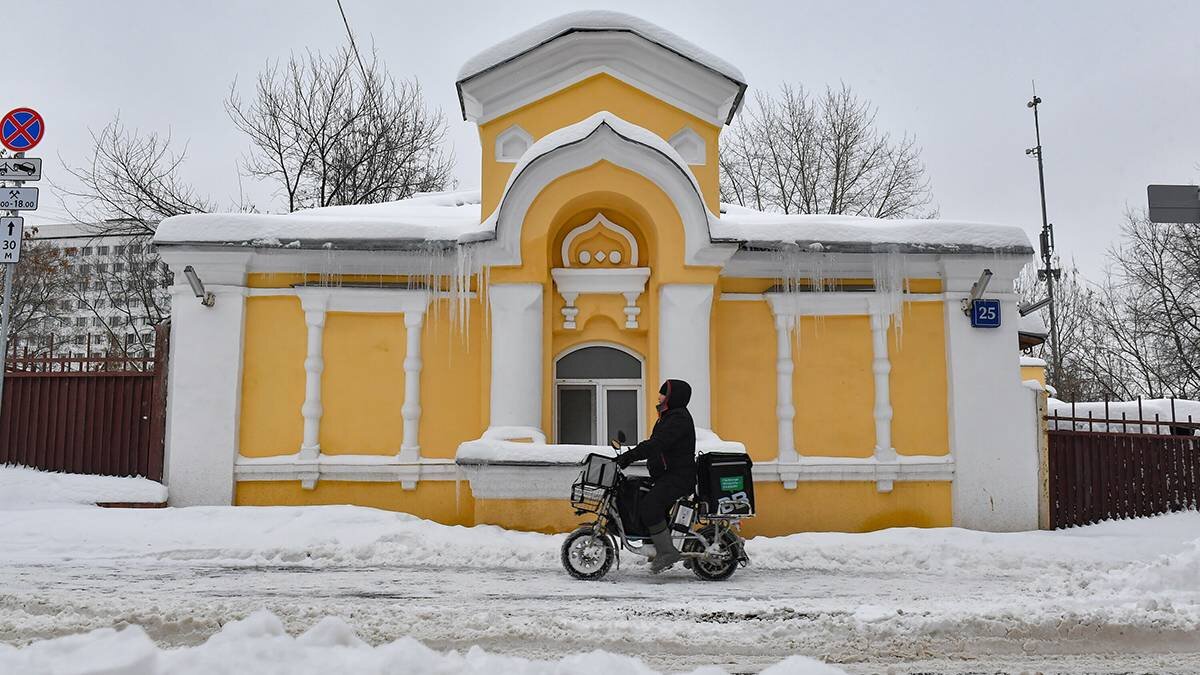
{"x":94,"y":414}
{"x":1102,"y":474}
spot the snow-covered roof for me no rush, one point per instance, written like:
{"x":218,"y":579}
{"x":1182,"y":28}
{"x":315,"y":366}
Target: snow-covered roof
{"x":432,"y":217}
{"x":1033,"y":324}
{"x":854,"y":234}
{"x":450,"y":218}
{"x":594,"y":20}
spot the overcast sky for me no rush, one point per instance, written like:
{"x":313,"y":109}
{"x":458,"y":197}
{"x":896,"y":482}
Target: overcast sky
{"x":1120,"y":83}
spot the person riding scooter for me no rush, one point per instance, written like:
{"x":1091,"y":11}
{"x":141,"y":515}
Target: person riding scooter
{"x":670,"y":455}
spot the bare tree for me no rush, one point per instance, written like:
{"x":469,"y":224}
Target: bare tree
{"x":802,"y":153}
{"x":1084,"y":344}
{"x":40,"y":288}
{"x":124,"y":295}
{"x":329,"y":130}
{"x":131,"y":182}
{"x":1155,"y":296}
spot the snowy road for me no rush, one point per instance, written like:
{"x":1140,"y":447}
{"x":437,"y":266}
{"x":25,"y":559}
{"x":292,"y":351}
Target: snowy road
{"x":1112,"y":598}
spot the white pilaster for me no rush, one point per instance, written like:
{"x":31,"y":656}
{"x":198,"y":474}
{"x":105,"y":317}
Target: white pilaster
{"x":410,"y":449}
{"x":205,"y":379}
{"x":993,"y":429}
{"x":685,"y":312}
{"x":881,"y":366}
{"x":314,"y":305}
{"x":785,"y":409}
{"x":516,"y":393}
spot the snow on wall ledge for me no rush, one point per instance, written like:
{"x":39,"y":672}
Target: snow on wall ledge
{"x":854,"y":234}
{"x":433,"y":217}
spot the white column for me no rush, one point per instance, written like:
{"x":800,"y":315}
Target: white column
{"x":881,"y":366}
{"x":685,"y":311}
{"x":205,"y":379}
{"x":314,"y":305}
{"x":516,"y":393}
{"x":785,"y":409}
{"x":993,"y":430}
{"x":410,"y":449}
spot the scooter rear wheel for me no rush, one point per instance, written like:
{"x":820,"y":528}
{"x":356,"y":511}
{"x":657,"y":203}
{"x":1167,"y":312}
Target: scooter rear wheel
{"x":587,"y":555}
{"x":715,"y":568}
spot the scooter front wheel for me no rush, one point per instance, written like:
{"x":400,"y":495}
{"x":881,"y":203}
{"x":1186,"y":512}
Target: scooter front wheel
{"x":587,"y":555}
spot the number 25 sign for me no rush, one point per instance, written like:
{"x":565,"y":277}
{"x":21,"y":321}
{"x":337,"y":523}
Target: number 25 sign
{"x":985,"y":313}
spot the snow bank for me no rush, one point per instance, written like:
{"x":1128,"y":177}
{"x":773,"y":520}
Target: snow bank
{"x":832,"y":232}
{"x":260,"y":644}
{"x":23,"y":487}
{"x":1160,"y":410}
{"x":594,"y":20}
{"x":442,"y":216}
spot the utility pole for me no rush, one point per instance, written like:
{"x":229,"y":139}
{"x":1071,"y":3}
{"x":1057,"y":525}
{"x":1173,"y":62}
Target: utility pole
{"x":9,"y":279}
{"x":1047,"y":272}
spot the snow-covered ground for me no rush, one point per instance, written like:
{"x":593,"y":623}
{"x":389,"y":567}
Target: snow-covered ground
{"x":296,"y":590}
{"x":23,"y":487}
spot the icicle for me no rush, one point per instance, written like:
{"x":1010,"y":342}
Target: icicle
{"x":890,"y":286}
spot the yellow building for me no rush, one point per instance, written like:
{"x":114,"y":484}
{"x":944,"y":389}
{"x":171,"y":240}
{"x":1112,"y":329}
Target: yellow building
{"x":455,"y":355}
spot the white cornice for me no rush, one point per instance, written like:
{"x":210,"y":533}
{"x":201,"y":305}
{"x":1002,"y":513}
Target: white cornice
{"x":625,"y":56}
{"x":588,"y":280}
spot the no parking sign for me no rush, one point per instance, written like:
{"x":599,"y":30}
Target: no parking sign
{"x":21,"y":129}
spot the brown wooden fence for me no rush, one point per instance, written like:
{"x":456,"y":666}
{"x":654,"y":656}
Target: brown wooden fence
{"x":1106,"y":474}
{"x":94,"y":414}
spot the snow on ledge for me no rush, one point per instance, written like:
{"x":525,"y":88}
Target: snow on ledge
{"x":498,"y":451}
{"x":22,"y":487}
{"x":441,"y":216}
{"x":833,"y":233}
{"x":594,"y":20}
{"x":1032,"y":361}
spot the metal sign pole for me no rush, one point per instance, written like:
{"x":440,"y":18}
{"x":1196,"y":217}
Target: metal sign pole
{"x":9,"y":278}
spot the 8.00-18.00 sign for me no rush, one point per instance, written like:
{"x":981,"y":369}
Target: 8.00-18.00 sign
{"x":18,"y":199}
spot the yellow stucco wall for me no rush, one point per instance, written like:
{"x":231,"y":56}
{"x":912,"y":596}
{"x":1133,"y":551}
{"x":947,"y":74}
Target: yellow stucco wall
{"x":446,"y":502}
{"x":272,"y":377}
{"x":362,"y":387}
{"x":1034,"y":373}
{"x":833,"y":387}
{"x":919,"y":389}
{"x":582,"y":100}
{"x":814,"y":506}
{"x":744,"y":387}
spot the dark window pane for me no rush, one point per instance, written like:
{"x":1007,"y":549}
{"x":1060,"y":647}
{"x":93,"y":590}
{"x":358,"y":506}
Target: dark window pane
{"x":577,"y":415}
{"x":623,"y":413}
{"x":597,"y":363}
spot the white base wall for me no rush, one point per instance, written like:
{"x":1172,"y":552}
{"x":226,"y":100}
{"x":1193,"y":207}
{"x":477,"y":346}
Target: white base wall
{"x":204,"y":381}
{"x":993,"y":423}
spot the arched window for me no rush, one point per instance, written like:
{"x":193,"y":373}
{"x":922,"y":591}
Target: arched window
{"x":598,"y":391}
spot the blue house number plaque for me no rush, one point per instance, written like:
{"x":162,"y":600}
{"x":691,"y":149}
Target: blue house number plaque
{"x":985,"y":313}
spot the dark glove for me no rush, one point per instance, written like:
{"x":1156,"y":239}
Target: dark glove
{"x":624,"y":459}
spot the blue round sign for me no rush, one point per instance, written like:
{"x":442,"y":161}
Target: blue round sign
{"x":21,"y":129}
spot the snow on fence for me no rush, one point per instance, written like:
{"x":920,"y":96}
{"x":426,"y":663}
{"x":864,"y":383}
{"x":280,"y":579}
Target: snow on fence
{"x":1113,"y":460}
{"x":1173,"y":416}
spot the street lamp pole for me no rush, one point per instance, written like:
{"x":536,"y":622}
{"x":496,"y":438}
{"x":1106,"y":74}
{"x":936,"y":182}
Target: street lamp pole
{"x":1047,"y":272}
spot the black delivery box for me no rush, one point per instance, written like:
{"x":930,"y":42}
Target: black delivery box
{"x":724,"y":483}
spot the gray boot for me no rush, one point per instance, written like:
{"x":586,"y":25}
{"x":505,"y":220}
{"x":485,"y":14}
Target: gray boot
{"x":665,"y":553}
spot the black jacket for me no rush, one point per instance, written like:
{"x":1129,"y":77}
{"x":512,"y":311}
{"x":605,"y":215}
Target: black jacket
{"x":670,"y":452}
